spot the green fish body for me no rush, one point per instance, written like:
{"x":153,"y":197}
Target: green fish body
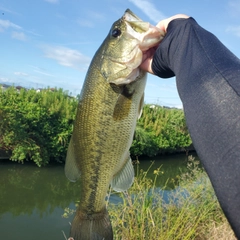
{"x":110,"y":103}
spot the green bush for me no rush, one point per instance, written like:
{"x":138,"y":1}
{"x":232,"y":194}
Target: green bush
{"x":160,"y":130}
{"x":36,"y":126}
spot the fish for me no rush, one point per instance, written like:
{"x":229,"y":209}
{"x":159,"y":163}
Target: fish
{"x":110,"y":104}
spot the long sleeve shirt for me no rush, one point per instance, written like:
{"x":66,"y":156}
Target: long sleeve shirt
{"x":208,"y":83}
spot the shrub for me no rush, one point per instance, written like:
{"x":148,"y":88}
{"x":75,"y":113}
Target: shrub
{"x":36,"y":126}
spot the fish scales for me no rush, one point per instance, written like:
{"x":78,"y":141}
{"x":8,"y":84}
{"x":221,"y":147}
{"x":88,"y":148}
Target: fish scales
{"x":110,"y":103}
{"x":98,"y":140}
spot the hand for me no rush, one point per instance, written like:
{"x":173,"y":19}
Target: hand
{"x":147,"y":58}
{"x":148,"y":55}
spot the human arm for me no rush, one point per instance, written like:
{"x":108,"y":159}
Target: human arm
{"x":148,"y":55}
{"x":208,"y":82}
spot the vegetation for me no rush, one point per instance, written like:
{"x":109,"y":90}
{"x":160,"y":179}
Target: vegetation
{"x":191,"y":211}
{"x":160,"y":130}
{"x":37,"y":126}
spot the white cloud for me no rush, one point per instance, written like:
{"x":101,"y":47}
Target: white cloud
{"x":234,"y":29}
{"x":5,"y":80}
{"x":67,"y":57}
{"x":19,"y":36}
{"x":6,"y":10}
{"x":149,"y":9}
{"x":5,"y":24}
{"x":21,"y":74}
{"x":44,"y":73}
{"x":41,"y":71}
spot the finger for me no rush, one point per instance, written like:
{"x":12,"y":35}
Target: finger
{"x":164,"y":23}
{"x":147,"y":65}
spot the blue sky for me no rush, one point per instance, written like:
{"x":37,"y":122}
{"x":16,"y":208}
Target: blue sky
{"x":51,"y":42}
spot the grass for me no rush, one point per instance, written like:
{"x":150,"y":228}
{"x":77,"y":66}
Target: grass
{"x":190,"y":212}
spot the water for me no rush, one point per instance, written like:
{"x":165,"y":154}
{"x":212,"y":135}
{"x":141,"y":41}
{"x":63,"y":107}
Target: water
{"x":32,"y":199}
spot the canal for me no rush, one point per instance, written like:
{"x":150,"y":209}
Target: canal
{"x":32,"y":199}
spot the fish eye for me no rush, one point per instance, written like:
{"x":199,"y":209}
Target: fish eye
{"x":116,"y":32}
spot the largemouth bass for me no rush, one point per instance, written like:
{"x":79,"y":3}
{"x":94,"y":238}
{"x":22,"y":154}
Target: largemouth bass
{"x":110,"y":103}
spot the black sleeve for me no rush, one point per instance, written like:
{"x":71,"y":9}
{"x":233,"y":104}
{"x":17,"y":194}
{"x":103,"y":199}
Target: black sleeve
{"x":208,"y":82}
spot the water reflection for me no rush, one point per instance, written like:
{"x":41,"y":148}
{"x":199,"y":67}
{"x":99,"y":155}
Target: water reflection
{"x":26,"y":187}
{"x":171,"y":167}
{"x":33,"y":199}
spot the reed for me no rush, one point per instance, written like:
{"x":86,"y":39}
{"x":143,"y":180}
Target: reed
{"x":191,"y":211}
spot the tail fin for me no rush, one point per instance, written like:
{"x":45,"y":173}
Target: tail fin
{"x":96,"y":226}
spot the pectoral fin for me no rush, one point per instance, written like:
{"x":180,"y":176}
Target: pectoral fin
{"x":124,"y":178}
{"x":71,"y":169}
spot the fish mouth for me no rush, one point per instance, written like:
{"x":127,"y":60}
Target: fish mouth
{"x":130,"y":15}
{"x":135,"y":22}
{"x":148,"y":35}
{"x":139,"y":36}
